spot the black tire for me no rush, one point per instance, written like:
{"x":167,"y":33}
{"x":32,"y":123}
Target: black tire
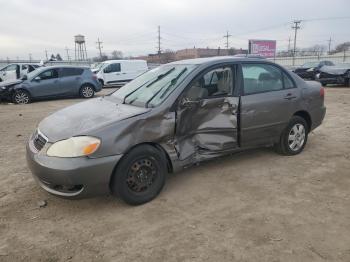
{"x":21,"y":97}
{"x":101,"y":81}
{"x":323,"y":84}
{"x":347,"y":82}
{"x":86,"y":91}
{"x":140,"y":175}
{"x":285,"y":146}
{"x":0,"y":80}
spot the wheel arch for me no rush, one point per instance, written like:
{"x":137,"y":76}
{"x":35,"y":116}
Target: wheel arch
{"x":306,"y":116}
{"x":153,"y":144}
{"x":87,"y":84}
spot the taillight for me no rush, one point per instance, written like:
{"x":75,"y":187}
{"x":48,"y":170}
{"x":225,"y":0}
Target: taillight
{"x":94,"y":77}
{"x":322,"y":92}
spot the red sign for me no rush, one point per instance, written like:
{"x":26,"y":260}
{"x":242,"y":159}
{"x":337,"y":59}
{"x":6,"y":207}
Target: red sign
{"x":265,"y":48}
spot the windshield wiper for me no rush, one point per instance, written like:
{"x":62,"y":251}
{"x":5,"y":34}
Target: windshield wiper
{"x":172,"y":83}
{"x":151,"y":83}
{"x":161,"y":77}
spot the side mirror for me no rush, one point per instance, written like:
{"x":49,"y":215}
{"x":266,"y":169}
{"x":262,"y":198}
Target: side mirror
{"x":106,"y":70}
{"x":186,"y":102}
{"x":37,"y":78}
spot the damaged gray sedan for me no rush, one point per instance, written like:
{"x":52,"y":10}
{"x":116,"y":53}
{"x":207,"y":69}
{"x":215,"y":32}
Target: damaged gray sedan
{"x":170,"y":118}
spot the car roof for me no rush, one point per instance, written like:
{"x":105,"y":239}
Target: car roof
{"x":65,"y":66}
{"x":122,"y":60}
{"x":217,"y":59}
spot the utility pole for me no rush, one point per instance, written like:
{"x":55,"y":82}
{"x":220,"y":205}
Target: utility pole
{"x":30,"y":57}
{"x":329,"y":45}
{"x":99,"y":46}
{"x":159,"y":49}
{"x":47,"y":57}
{"x":289,"y":40}
{"x":296,"y":26}
{"x":227,"y":36}
{"x":67,"y":51}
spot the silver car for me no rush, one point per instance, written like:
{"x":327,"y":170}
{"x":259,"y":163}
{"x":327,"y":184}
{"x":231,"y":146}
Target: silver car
{"x":169,"y":118}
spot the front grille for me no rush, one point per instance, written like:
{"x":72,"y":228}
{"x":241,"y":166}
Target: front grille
{"x":39,"y":141}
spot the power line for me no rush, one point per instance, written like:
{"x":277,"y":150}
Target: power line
{"x":296,"y":27}
{"x":99,"y":46}
{"x":227,"y":36}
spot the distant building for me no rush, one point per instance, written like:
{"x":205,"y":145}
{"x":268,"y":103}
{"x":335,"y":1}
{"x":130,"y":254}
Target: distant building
{"x":190,"y":53}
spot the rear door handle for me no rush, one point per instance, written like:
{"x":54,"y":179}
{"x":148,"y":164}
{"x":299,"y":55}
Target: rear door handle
{"x":289,"y":96}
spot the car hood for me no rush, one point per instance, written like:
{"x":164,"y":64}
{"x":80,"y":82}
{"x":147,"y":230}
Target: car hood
{"x":10,"y":82}
{"x":83,"y":118}
{"x":334,"y":70}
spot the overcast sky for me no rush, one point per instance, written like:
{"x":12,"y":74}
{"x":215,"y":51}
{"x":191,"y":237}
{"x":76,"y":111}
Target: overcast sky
{"x":31,"y":26}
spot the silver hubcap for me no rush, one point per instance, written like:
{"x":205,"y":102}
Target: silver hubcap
{"x":87,"y":91}
{"x":21,"y":98}
{"x":296,"y":138}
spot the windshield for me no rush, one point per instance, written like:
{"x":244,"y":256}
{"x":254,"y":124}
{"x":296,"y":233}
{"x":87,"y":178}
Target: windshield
{"x":97,"y":66}
{"x":153,"y":87}
{"x":35,"y":72}
{"x":310,"y":64}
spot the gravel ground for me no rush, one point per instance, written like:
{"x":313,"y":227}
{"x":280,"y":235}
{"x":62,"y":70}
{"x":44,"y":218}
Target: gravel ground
{"x":252,"y":206}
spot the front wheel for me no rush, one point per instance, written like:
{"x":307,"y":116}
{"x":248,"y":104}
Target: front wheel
{"x":294,"y":137}
{"x":140,"y":176}
{"x":21,"y":97}
{"x":86,"y":91}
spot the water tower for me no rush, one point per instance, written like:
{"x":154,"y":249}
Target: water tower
{"x":80,"y":48}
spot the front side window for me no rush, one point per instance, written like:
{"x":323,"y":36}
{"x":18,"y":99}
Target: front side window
{"x":259,"y":78}
{"x":215,"y":83}
{"x":49,"y":74}
{"x":153,"y":87}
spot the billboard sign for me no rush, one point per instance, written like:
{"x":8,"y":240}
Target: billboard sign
{"x":265,"y":48}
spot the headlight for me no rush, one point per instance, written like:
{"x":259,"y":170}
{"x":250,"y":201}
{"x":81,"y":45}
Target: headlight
{"x":74,"y":147}
{"x":3,"y":87}
{"x":311,"y":69}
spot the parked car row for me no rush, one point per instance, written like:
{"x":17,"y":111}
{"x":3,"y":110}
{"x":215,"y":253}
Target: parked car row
{"x":51,"y":82}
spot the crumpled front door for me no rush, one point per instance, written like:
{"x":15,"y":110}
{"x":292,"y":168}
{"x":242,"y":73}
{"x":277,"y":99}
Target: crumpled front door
{"x":207,"y":127}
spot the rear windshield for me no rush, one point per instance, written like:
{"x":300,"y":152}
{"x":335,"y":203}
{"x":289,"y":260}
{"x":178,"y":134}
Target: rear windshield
{"x":153,"y":87}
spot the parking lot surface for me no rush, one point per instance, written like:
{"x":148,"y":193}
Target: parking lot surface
{"x":251,"y":206}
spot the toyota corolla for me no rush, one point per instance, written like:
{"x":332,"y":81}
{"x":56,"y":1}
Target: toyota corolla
{"x":169,"y":118}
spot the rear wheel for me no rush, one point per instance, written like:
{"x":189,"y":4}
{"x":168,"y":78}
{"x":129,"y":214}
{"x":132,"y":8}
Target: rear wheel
{"x":140,"y":176}
{"x":87,"y":91}
{"x":294,"y":137}
{"x":21,"y":97}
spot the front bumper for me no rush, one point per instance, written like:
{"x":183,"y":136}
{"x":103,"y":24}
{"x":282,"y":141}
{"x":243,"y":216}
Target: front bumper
{"x":71,"y":177}
{"x":331,"y":79}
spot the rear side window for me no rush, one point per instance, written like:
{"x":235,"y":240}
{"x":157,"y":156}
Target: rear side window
{"x":287,"y":82}
{"x":259,"y":78}
{"x":65,"y":72}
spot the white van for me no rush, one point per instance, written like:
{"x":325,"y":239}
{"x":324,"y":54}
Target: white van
{"x":119,"y":72}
